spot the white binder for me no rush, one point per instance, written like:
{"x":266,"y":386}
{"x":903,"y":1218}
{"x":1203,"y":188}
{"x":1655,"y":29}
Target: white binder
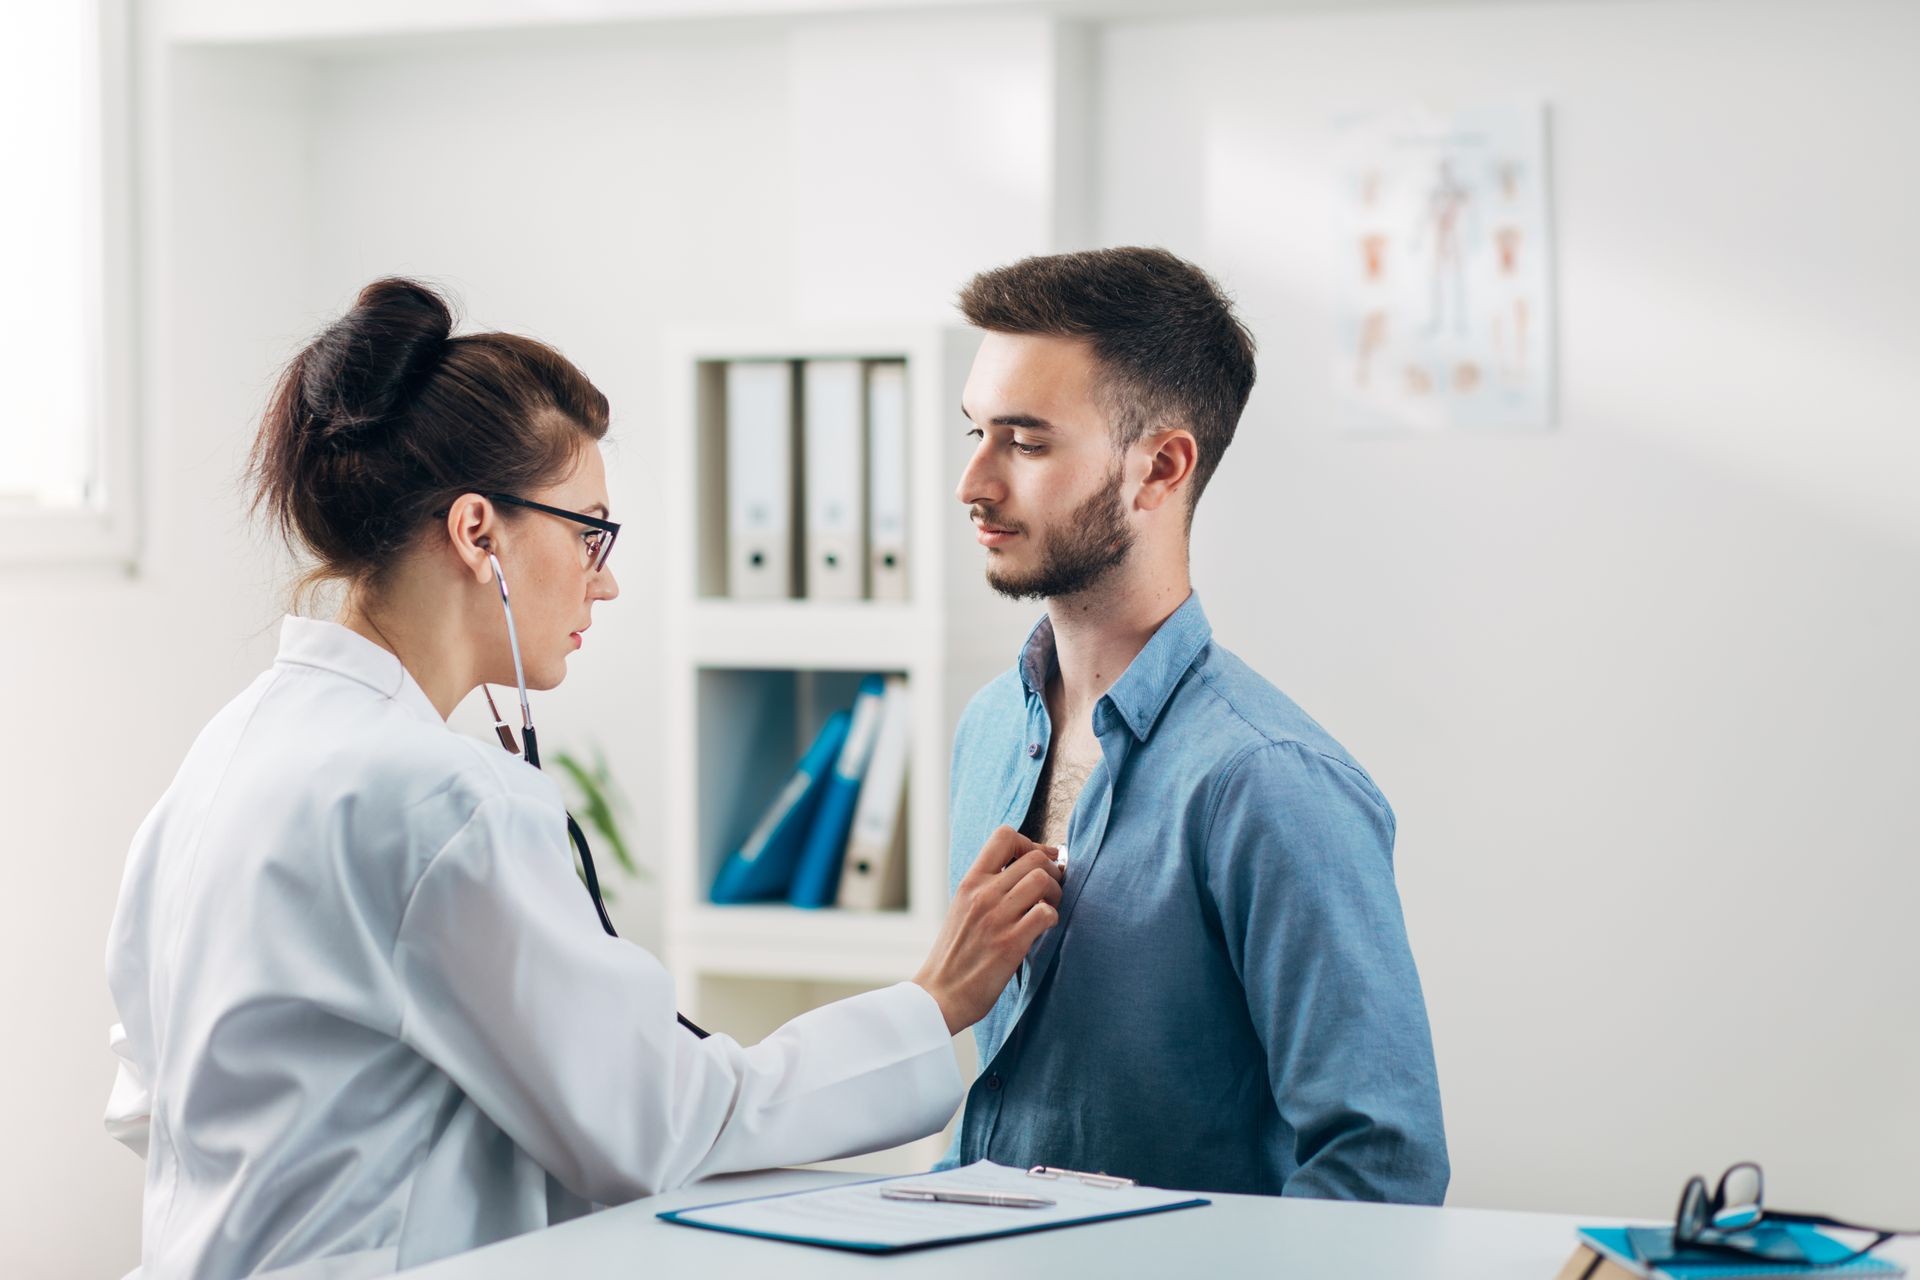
{"x":762,"y":481}
{"x":873,"y":875}
{"x":833,"y":425}
{"x":887,"y":477}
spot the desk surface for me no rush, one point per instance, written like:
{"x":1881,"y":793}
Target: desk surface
{"x":1234,"y":1236}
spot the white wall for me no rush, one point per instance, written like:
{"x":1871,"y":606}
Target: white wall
{"x":1640,"y":689}
{"x":110,"y":678}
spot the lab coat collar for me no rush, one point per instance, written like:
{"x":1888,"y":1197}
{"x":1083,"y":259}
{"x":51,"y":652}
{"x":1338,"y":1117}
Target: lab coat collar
{"x":309,"y":642}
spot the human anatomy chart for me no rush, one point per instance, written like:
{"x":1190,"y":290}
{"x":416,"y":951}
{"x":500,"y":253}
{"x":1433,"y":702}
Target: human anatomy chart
{"x":1446,"y":269}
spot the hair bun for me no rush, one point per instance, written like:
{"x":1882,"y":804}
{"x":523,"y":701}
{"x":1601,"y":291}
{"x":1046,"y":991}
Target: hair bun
{"x":367,"y":364}
{"x":384,"y":419}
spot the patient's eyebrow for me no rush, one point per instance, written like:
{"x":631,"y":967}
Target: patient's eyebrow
{"x":1025,"y":421}
{"x":600,"y":507}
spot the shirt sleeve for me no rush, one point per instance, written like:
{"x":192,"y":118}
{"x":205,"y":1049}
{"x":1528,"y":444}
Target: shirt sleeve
{"x":1299,"y":863}
{"x":566,"y":1038}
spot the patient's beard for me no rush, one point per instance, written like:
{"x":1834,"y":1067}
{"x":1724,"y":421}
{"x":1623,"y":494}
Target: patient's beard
{"x":1080,"y":550}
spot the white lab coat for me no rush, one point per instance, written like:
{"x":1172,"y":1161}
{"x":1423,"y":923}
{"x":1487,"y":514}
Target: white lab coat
{"x":370,"y":1018}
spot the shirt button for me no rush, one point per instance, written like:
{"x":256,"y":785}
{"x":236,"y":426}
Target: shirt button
{"x":1033,"y":750}
{"x":993,"y":1082}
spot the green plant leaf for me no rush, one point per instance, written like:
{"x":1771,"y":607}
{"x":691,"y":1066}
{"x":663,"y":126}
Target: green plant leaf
{"x":598,"y":806}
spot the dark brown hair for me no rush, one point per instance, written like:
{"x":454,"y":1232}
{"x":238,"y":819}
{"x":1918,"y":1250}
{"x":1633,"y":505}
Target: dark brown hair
{"x":1169,"y":348}
{"x":385,"y":418}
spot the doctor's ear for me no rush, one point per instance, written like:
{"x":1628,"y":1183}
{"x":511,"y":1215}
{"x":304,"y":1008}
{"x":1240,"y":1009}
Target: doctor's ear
{"x":471,"y":526}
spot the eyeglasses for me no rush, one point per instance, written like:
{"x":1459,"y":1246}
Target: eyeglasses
{"x":1725,"y":1221}
{"x":598,"y":540}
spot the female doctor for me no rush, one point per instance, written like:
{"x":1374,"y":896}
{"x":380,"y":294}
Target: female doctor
{"x":368,"y":1015}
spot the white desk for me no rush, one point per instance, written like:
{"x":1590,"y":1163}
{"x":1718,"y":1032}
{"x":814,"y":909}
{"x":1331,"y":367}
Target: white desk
{"x":1271,"y":1238}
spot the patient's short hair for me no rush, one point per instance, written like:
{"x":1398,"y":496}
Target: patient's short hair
{"x":1170,"y":350}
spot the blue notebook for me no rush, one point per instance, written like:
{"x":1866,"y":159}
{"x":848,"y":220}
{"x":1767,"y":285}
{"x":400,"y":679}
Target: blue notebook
{"x":762,"y":867}
{"x":1616,"y":1243}
{"x":816,"y":880}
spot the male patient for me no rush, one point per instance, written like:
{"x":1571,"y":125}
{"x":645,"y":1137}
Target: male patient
{"x":1229,"y":1002}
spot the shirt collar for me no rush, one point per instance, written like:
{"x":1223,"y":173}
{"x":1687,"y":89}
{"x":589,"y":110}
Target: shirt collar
{"x":1035,"y":659}
{"x":309,"y":642}
{"x":1142,"y":690}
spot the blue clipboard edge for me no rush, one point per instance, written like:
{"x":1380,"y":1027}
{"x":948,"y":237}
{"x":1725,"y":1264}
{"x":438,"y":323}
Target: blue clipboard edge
{"x":876,"y":1250}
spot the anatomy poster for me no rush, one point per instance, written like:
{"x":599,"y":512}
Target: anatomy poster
{"x":1447,"y":309}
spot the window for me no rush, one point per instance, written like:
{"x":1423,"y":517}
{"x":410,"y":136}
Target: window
{"x":66,"y":470}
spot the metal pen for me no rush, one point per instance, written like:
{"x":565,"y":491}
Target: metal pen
{"x":992,"y":1199}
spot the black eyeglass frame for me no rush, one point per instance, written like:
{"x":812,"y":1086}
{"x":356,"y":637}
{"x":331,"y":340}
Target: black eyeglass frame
{"x":1698,"y":1215}
{"x":610,"y":527}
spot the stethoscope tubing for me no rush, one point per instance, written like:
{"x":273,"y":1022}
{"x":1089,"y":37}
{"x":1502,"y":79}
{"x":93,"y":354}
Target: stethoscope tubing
{"x":531,"y":754}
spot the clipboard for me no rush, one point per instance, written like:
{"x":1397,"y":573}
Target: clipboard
{"x":854,"y":1216}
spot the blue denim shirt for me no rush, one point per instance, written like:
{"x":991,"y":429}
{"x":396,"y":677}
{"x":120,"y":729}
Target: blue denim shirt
{"x":1228,"y":1002}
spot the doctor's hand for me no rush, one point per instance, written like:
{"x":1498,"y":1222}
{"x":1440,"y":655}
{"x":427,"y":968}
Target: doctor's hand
{"x":1010,"y":897}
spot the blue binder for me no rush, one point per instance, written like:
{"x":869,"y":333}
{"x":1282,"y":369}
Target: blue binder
{"x":816,"y":880}
{"x":762,"y":868}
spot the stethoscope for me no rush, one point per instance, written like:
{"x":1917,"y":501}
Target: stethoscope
{"x":531,"y":754}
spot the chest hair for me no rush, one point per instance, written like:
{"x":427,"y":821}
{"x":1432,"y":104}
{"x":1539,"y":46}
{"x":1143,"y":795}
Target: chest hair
{"x":1069,"y":765}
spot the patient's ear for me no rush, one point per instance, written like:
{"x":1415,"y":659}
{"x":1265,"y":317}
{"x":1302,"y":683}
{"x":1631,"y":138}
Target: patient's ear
{"x":1171,"y":455}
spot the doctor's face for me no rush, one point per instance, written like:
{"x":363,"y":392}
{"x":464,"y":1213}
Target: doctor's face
{"x":547,"y":563}
{"x":1045,"y":488}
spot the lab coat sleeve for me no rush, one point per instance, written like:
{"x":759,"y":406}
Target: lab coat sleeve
{"x":566,"y":1038}
{"x":130,"y":1105}
{"x":1299,"y":861}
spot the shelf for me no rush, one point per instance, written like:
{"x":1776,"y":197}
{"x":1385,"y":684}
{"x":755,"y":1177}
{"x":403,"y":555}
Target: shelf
{"x":804,"y":634}
{"x":750,"y":682}
{"x":775,"y":940}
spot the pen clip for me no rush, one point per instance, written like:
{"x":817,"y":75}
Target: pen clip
{"x":1052,"y":1174}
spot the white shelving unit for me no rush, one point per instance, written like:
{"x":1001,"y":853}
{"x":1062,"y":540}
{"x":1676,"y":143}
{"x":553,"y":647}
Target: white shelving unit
{"x":749,"y":681}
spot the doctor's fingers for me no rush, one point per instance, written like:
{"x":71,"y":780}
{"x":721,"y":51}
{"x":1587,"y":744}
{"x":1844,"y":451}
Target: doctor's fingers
{"x":1038,"y":865}
{"x":1040,"y":917}
{"x":1034,"y":887}
{"x":997,"y":883}
{"x":1026,"y":864}
{"x":1004,"y":846}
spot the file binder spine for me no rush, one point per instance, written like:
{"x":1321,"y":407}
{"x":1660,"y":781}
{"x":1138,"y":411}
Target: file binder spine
{"x":834,"y":427}
{"x":887,"y":478}
{"x":762,"y":480}
{"x":874,"y":874}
